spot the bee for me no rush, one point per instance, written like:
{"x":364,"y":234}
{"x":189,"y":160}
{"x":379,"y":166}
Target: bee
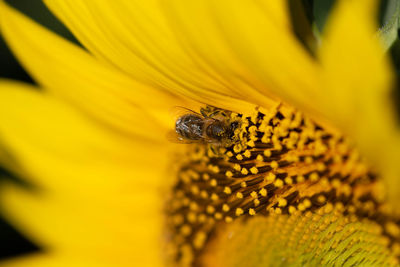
{"x":211,"y":125}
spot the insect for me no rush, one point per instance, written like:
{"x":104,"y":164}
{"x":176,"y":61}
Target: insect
{"x":211,"y":125}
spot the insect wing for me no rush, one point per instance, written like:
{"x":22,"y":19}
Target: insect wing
{"x":178,"y":111}
{"x":174,"y":137}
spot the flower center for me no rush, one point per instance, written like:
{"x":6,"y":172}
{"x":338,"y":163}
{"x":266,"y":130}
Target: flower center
{"x":278,"y":162}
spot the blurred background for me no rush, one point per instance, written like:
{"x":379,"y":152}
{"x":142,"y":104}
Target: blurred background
{"x":309,"y":17}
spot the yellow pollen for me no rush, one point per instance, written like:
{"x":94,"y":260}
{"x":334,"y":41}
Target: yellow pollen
{"x":178,"y":219}
{"x":252,"y":212}
{"x":274,"y":164}
{"x":238,"y":212}
{"x":237,"y":148}
{"x":301,"y":207}
{"x":195,"y":190}
{"x":213,"y":182}
{"x":237,"y":167}
{"x":321,"y":166}
{"x":210,"y":209}
{"x":263,"y":192}
{"x":191,"y":217}
{"x":254,"y":170}
{"x":239,"y":195}
{"x":206,"y":177}
{"x":228,"y":219}
{"x":214,"y":197}
{"x":227,"y":190}
{"x":239,"y":157}
{"x":321,"y":199}
{"x":225,"y":208}
{"x":300,"y":178}
{"x":252,"y":129}
{"x":289,"y":180}
{"x":260,"y":158}
{"x":265,"y":140}
{"x":202,"y":218}
{"x":193,"y":206}
{"x":292,"y":209}
{"x":278,"y":183}
{"x":270,"y":177}
{"x":308,"y":160}
{"x":244,"y":171}
{"x":267,"y":153}
{"x":393,"y":229}
{"x":282,"y":202}
{"x":204,"y":194}
{"x":228,"y":174}
{"x":251,"y":144}
{"x":218,"y":216}
{"x":186,"y":230}
{"x":307,"y":203}
{"x":314,"y":177}
{"x":199,"y":240}
{"x":328,"y":208}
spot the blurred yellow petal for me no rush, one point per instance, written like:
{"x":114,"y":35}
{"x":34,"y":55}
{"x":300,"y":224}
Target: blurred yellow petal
{"x":61,"y":136}
{"x":356,"y":87}
{"x":104,"y":92}
{"x":92,"y":187}
{"x":118,"y":229}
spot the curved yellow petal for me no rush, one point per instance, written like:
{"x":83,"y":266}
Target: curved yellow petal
{"x":265,"y":48}
{"x":119,"y":229}
{"x":45,"y":132}
{"x":356,"y":87}
{"x":137,"y":38}
{"x":68,"y":71}
{"x":94,"y":190}
{"x":201,"y":37}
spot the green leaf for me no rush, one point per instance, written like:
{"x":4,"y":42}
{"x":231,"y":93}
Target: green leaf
{"x":321,"y":10}
{"x":302,"y":24}
{"x":388,"y":32}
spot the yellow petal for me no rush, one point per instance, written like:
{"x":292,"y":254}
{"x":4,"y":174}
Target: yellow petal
{"x":97,"y":195}
{"x":137,"y":38}
{"x":45,"y":132}
{"x":356,"y":89}
{"x":119,"y":229}
{"x":68,"y":71}
{"x":266,"y":48}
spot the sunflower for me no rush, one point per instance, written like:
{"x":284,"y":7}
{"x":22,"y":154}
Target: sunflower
{"x":307,"y":175}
